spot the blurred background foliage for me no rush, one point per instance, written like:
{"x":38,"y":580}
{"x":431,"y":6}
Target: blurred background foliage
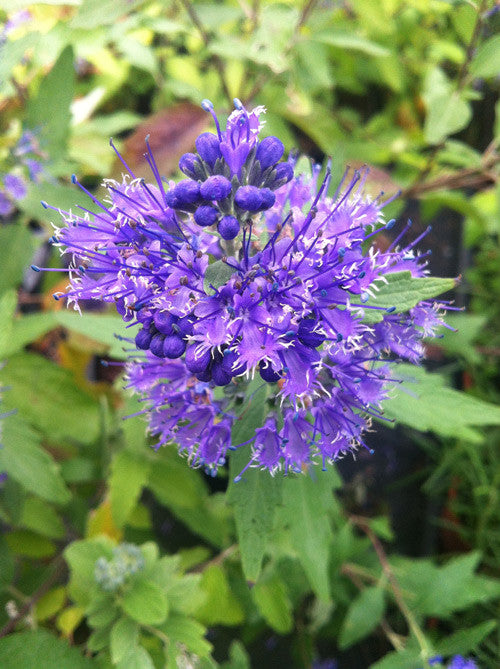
{"x":358,"y":570}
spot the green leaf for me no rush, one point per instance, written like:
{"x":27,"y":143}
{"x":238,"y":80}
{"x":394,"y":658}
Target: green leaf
{"x":129,"y":474}
{"x":8,"y":303}
{"x":29,"y":544}
{"x":274,"y":604}
{"x":187,"y":632}
{"x":50,"y":109}
{"x":81,"y":557}
{"x":25,"y":330}
{"x":17,"y":245}
{"x":256,"y":496}
{"x":123,"y":638}
{"x":26,"y":462}
{"x":440,"y":591}
{"x":19,"y":650}
{"x":145,"y":602}
{"x":95,"y":13}
{"x":447,"y":110}
{"x":461,"y":342}
{"x":306,"y":503}
{"x":46,"y":395}
{"x":101,"y":328}
{"x":238,"y":657}
{"x":352,"y":42}
{"x":216,"y":275}
{"x":425,"y":403}
{"x":486,"y":62}
{"x":465,"y":640}
{"x":138,"y":658}
{"x":402,"y":291}
{"x":363,"y":616}
{"x":221,"y":606}
{"x":40,"y":517}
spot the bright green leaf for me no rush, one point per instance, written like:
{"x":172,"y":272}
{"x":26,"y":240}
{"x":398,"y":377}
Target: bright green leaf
{"x":129,"y":474}
{"x":124,"y":636}
{"x":274,"y":604}
{"x":19,"y":650}
{"x":486,"y":61}
{"x":465,"y":640}
{"x":363,"y":616}
{"x":25,"y":461}
{"x":187,"y":632}
{"x":16,"y":249}
{"x":145,"y":602}
{"x":81,"y":557}
{"x":138,"y":658}
{"x":40,"y":517}
{"x":221,"y":606}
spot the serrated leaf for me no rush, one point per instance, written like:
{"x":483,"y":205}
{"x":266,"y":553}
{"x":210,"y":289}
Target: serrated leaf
{"x":40,"y":517}
{"x":19,"y":650}
{"x":123,"y":638}
{"x":486,"y":61}
{"x":24,"y":460}
{"x":363,"y":616}
{"x":256,"y":496}
{"x":306,"y":503}
{"x":425,"y":403}
{"x":439,"y":591}
{"x":221,"y":606}
{"x":138,"y":658}
{"x":145,"y":602}
{"x":187,"y":632}
{"x":217,"y":274}
{"x":47,"y":397}
{"x":465,"y":640}
{"x":50,"y":109}
{"x":403,"y":291}
{"x":274,"y":604}
{"x":129,"y":474}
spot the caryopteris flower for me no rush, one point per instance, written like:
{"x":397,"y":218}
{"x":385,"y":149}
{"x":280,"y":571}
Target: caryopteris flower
{"x":243,"y":271}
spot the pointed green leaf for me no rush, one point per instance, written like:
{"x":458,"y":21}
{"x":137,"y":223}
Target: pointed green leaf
{"x":363,"y":616}
{"x":145,"y":602}
{"x":129,"y":474}
{"x":486,"y":61}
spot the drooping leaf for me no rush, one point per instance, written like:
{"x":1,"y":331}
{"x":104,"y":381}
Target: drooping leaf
{"x":19,"y":650}
{"x":464,"y":641}
{"x":486,"y":61}
{"x":47,"y":397}
{"x":274,"y":604}
{"x":23,"y":458}
{"x":352,"y":42}
{"x":364,"y":614}
{"x":425,"y":403}
{"x":447,"y":110}
{"x":256,"y":496}
{"x":129,"y":474}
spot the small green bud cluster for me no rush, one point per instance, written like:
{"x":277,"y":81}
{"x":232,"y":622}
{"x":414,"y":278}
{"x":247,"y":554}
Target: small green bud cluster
{"x":112,"y":574}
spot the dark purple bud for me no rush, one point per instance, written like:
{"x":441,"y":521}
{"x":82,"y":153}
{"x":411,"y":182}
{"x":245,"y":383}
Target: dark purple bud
{"x":228,"y":227}
{"x":185,"y":326}
{"x":143,"y":339}
{"x":208,"y":146}
{"x":197,"y":363}
{"x":206,"y":215}
{"x":267,"y":372}
{"x":215,"y":188}
{"x":269,"y":151}
{"x":268,"y":198}
{"x":307,"y":335}
{"x":248,"y":198}
{"x":284,"y":174}
{"x":156,"y":346}
{"x":205,"y":376}
{"x":187,"y":191}
{"x":187,"y":164}
{"x":164,"y":321}
{"x":173,"y":347}
{"x":228,"y":362}
{"x":219,"y":375}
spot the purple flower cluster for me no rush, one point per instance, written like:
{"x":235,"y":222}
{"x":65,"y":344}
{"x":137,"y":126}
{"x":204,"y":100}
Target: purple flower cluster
{"x":246,"y":274}
{"x":456,"y":662}
{"x":24,"y":164}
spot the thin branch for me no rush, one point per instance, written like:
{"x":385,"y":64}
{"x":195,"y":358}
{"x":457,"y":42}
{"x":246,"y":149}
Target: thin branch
{"x":205,"y":36}
{"x":218,"y":559}
{"x":59,"y":569}
{"x":411,"y":621}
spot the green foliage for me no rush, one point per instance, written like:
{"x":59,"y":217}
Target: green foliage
{"x":19,"y":650}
